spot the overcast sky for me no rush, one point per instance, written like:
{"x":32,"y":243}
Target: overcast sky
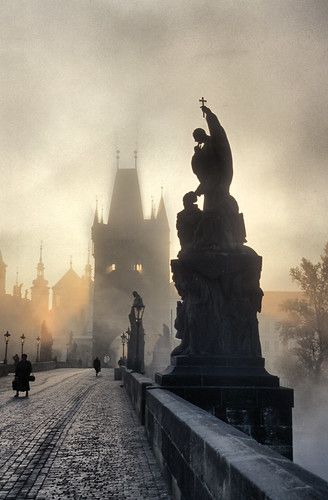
{"x":79,"y":78}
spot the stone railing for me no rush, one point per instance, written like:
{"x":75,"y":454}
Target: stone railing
{"x":4,"y":370}
{"x":41,"y":366}
{"x":203,"y":457}
{"x":135,"y":385}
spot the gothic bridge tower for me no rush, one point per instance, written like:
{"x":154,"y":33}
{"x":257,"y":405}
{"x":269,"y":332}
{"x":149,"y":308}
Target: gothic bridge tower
{"x":131,"y":253}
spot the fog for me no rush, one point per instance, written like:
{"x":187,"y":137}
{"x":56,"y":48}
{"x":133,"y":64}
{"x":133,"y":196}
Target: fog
{"x":310,"y":429}
{"x":81,"y":78}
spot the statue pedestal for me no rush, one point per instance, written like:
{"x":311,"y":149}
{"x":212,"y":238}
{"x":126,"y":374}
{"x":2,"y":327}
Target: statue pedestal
{"x":218,"y":365}
{"x":237,"y":390}
{"x":205,"y":371}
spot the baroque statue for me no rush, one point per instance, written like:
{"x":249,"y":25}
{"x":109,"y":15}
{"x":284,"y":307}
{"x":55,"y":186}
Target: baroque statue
{"x":216,"y":275}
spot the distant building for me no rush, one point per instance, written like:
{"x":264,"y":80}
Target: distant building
{"x":18,"y":316}
{"x":131,"y":253}
{"x":71,"y":311}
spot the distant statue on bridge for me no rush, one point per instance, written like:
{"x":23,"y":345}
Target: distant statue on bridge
{"x":137,"y":301}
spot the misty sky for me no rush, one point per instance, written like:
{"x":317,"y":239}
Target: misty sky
{"x":79,"y":78}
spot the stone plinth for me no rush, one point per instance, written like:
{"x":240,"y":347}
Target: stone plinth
{"x":237,"y":390}
{"x":204,"y":371}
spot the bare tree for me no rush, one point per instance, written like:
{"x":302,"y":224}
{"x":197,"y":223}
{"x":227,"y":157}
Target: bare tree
{"x":306,"y":326}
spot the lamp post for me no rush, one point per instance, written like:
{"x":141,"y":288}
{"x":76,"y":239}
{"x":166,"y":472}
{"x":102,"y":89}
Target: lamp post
{"x":6,"y":335}
{"x":22,"y":337}
{"x":124,"y":339}
{"x":37,"y":348}
{"x":138,"y":308}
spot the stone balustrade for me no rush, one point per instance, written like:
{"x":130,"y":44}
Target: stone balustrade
{"x":203,"y":457}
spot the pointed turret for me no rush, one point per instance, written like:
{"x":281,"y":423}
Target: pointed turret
{"x":96,"y":217}
{"x":161,"y":214}
{"x":40,"y":266}
{"x":153,"y":210}
{"x":40,"y":290}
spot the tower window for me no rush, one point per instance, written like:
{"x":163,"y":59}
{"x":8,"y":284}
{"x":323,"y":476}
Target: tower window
{"x":137,"y":267}
{"x":110,"y":268}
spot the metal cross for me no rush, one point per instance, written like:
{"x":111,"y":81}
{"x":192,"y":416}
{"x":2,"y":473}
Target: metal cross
{"x":202,"y":100}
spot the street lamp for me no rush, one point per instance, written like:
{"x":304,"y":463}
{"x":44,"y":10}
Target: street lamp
{"x":125,"y":340}
{"x":138,"y":308}
{"x":37,"y":348}
{"x":6,"y":335}
{"x":22,"y":337}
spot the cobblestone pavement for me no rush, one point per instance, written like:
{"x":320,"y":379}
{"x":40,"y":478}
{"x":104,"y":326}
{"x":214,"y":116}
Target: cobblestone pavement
{"x":75,"y":437}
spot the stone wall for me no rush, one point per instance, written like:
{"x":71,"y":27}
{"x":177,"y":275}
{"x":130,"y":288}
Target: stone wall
{"x":4,"y":370}
{"x":44,"y":366}
{"x":135,"y":385}
{"x":202,"y":457}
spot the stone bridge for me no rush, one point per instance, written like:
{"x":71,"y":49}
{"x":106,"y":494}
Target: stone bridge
{"x":82,"y":437}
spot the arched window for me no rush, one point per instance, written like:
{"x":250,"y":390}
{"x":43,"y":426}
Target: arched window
{"x":110,"y":268}
{"x":137,"y":267}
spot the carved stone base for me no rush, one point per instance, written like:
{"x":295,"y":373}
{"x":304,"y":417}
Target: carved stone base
{"x":264,"y":413}
{"x":237,"y":390}
{"x":216,"y":371}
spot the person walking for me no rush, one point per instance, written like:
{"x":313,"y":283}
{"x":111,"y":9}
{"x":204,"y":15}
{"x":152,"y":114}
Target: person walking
{"x":96,"y":365}
{"x":22,"y":376}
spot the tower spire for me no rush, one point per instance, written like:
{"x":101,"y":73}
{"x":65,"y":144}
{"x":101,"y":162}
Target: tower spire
{"x":40,"y":266}
{"x":70,"y":262}
{"x":152,"y":214}
{"x":41,"y":248}
{"x":161,"y":213}
{"x":135,"y":153}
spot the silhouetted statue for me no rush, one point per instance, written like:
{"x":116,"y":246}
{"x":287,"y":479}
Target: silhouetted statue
{"x":212,"y":161}
{"x":137,"y":301}
{"x":222,"y":226}
{"x":216,"y":276}
{"x":188,"y":220}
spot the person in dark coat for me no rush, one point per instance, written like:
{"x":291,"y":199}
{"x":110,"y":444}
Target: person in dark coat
{"x":96,"y":365}
{"x":22,"y":375}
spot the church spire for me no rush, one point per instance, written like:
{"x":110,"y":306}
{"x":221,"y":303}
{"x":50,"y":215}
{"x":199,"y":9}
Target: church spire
{"x":96,"y":217}
{"x":40,"y":266}
{"x":153,"y":211}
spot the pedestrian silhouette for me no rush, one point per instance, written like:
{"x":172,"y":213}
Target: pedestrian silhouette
{"x":23,"y":371}
{"x":96,"y":365}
